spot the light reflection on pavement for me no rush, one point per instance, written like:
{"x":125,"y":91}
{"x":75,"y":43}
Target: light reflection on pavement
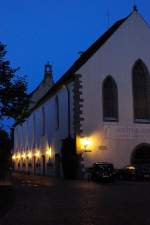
{"x":48,"y":201}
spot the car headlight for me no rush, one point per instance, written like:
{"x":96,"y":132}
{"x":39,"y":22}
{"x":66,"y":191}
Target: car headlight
{"x":131,"y":168}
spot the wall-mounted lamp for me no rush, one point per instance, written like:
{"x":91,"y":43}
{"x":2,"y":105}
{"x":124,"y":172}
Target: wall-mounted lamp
{"x":23,"y":156}
{"x":49,"y":152}
{"x":85,"y":144}
{"x":13,"y":157}
{"x":29,"y":155}
{"x":18,"y":156}
{"x":37,"y":154}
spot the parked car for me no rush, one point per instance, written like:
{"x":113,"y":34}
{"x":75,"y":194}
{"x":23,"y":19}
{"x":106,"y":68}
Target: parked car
{"x":136,"y":172}
{"x":102,"y":171}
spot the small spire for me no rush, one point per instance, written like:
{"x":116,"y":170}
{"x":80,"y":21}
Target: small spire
{"x":48,"y":68}
{"x":135,"y":8}
{"x":48,"y":76}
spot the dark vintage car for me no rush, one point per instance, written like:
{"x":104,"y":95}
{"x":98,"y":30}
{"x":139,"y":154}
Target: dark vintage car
{"x":102,"y":171}
{"x":136,"y":172}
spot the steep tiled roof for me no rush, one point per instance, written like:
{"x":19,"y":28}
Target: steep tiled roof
{"x":83,"y":58}
{"x":81,"y":61}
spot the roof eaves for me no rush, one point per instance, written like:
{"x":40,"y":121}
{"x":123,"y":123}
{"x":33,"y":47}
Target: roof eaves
{"x":86,"y":55}
{"x":81,"y":61}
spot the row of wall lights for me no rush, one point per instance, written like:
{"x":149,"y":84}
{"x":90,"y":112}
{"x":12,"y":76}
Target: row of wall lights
{"x":30,"y":155}
{"x":85,"y":145}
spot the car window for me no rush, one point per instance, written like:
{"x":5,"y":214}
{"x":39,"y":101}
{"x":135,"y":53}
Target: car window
{"x":108,"y":167}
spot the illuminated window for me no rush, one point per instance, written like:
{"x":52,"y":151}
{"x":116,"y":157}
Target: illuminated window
{"x":110,"y":99}
{"x":43,"y":121}
{"x":141,"y":91}
{"x":57,"y":111}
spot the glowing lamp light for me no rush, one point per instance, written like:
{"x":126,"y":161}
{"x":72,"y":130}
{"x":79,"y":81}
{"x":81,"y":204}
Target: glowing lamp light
{"x":85,"y":143}
{"x":49,"y":152}
{"x":23,"y":155}
{"x":29,"y":155}
{"x":18,"y":156}
{"x":37,"y":154}
{"x":131,"y":168}
{"x":14,"y":157}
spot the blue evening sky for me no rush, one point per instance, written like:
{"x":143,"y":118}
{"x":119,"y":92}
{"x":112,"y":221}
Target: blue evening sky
{"x":37,"y":31}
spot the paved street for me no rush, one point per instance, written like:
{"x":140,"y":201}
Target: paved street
{"x":46,"y":201}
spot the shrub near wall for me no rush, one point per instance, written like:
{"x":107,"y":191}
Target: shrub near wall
{"x":5,"y":154}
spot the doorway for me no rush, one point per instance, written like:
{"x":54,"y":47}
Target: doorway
{"x":141,"y":154}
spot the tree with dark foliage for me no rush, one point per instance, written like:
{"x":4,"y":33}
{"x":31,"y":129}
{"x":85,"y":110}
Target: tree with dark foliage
{"x":13,"y":90}
{"x":13,"y":104}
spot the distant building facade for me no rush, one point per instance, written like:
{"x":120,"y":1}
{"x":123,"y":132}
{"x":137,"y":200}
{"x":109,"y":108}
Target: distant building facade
{"x":102,"y":102}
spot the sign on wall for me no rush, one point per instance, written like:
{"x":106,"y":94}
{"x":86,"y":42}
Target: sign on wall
{"x":121,"y":132}
{"x":103,"y":148}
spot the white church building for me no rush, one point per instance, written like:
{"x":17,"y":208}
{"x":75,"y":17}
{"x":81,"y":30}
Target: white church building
{"x":101,"y":106}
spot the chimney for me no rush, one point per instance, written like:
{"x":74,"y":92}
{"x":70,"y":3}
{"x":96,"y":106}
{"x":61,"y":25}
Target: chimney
{"x":48,"y":76}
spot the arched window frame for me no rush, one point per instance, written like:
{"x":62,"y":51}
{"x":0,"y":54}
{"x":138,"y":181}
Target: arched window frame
{"x":113,"y":117}
{"x":139,"y":148}
{"x":137,"y":109}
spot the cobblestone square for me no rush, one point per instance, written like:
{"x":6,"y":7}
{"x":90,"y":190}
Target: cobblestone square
{"x":47,"y":201}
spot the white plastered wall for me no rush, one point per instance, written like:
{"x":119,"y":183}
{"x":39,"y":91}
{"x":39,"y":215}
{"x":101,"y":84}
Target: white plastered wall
{"x":116,"y":58}
{"x":28,"y":135}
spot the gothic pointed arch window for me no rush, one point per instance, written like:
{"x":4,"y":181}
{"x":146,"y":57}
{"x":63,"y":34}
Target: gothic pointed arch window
{"x":110,"y":99}
{"x":141,"y":92}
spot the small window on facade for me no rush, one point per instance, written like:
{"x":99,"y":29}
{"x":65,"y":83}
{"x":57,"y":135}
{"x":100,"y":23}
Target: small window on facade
{"x":43,"y":121}
{"x":110,"y":99}
{"x":141,"y":92}
{"x":57,"y":111}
